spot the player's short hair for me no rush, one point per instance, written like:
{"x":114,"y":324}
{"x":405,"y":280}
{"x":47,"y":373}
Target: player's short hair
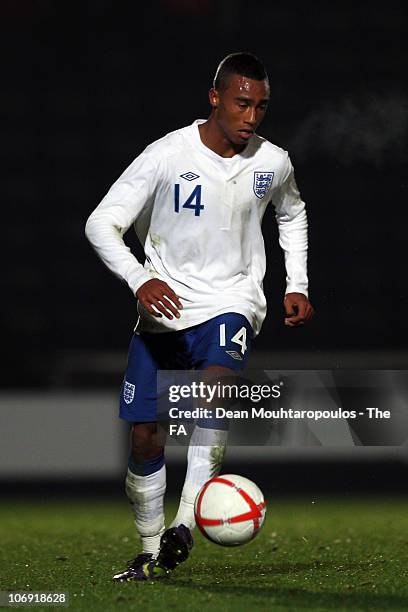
{"x":244,"y":64}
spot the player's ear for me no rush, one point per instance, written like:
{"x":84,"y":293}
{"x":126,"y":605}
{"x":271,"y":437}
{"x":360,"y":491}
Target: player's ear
{"x":213,"y":97}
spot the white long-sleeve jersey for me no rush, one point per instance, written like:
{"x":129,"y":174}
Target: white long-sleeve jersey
{"x":198,"y":216}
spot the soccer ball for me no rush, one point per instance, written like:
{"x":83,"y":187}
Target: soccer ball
{"x":229,"y":510}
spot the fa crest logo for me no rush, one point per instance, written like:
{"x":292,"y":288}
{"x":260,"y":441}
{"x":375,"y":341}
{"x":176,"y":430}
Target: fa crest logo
{"x":262,"y":182}
{"x":128,"y":392}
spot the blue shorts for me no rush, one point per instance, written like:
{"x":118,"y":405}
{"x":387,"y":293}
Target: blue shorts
{"x":224,"y":340}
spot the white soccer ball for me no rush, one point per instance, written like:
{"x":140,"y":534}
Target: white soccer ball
{"x":229,"y":510}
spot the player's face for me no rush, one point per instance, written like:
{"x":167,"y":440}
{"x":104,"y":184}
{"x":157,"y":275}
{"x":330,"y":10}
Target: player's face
{"x":241,"y":107}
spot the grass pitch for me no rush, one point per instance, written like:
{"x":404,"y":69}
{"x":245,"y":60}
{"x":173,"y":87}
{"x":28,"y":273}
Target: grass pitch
{"x":323,"y":555}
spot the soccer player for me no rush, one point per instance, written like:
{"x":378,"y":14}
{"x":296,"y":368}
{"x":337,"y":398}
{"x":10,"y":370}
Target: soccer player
{"x":197,"y":197}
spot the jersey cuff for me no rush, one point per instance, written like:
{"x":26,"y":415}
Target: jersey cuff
{"x":137,"y":279}
{"x":297,"y":289}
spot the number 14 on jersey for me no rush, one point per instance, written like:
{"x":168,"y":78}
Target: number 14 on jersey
{"x":193,"y":201}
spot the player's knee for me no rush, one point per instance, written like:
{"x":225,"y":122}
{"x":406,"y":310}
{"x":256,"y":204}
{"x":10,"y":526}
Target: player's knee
{"x":218,"y":370}
{"x":220,"y":378}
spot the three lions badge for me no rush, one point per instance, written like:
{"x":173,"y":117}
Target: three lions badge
{"x":262,"y":183}
{"x":128,"y":392}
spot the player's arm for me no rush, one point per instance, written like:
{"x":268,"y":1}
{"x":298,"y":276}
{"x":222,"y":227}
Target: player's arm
{"x":292,"y":224}
{"x":106,"y":226}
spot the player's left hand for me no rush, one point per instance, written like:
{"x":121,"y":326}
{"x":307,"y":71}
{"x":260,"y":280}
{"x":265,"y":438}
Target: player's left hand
{"x":298,"y":309}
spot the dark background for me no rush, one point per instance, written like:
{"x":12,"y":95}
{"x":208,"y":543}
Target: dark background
{"x":88,"y":85}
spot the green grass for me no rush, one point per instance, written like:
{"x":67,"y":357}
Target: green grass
{"x":328,"y":555}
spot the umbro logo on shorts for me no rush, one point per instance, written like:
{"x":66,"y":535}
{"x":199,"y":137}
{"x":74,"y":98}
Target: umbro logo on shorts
{"x":234,"y":355}
{"x":128,"y":392}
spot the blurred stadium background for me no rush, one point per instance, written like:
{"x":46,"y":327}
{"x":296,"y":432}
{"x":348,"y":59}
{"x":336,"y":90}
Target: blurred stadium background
{"x":86,"y":87}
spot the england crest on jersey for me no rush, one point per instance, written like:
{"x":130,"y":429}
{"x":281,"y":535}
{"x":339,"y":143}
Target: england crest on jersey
{"x":262,"y":183}
{"x":128,"y":392}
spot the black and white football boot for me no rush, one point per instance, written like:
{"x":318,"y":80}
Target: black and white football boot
{"x":175,"y":546}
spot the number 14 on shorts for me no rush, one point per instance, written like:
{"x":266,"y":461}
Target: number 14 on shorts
{"x":238,"y":338}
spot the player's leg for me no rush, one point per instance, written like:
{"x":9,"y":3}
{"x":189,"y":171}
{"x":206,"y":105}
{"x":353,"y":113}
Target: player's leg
{"x":204,"y":459}
{"x":146,"y":484}
{"x":220,"y":347}
{"x":205,"y":452}
{"x":214,"y":351}
{"x":146,"y":474}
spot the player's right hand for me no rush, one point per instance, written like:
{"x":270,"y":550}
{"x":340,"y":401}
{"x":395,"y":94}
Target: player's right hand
{"x":159,"y":299}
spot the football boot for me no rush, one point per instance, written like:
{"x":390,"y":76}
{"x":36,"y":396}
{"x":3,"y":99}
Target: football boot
{"x":175,"y":546}
{"x":143,"y":567}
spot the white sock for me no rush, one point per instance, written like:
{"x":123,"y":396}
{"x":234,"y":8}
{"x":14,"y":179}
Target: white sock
{"x":204,"y":460}
{"x":146,"y":494}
